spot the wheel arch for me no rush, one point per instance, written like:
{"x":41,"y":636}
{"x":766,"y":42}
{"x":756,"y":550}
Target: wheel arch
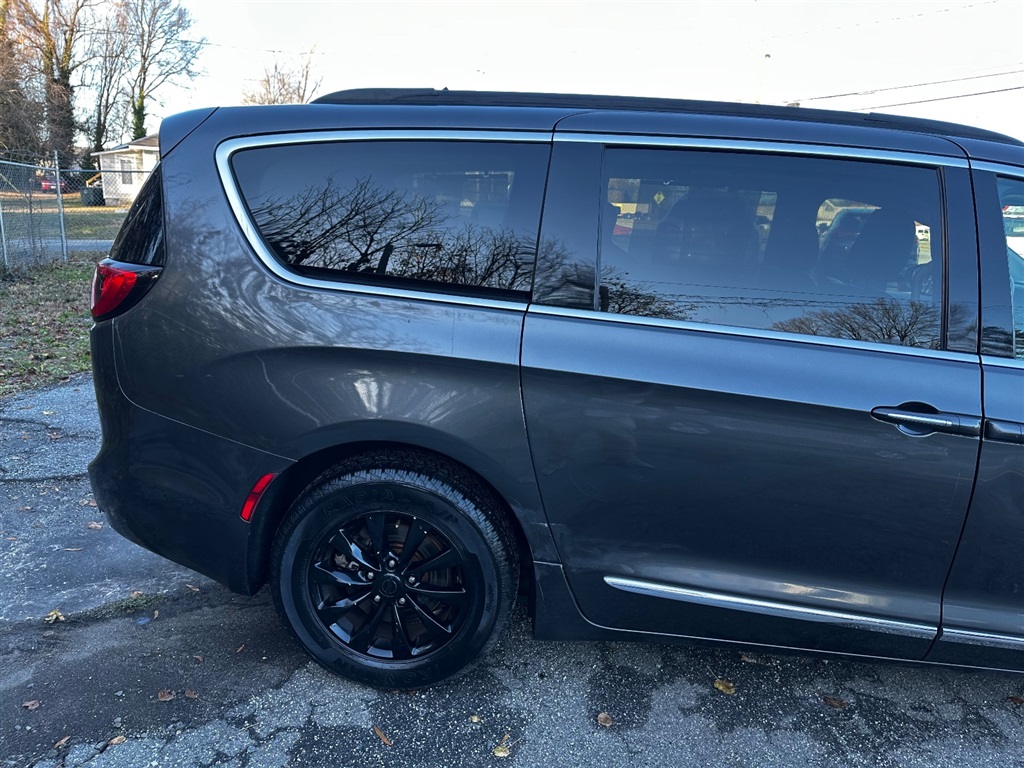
{"x":527,"y":522}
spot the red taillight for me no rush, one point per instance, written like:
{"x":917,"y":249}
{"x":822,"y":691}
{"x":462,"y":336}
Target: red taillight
{"x":254,"y":496}
{"x":116,"y":286}
{"x":110,"y":286}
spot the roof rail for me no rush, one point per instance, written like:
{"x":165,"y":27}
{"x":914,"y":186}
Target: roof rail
{"x":430,"y":96}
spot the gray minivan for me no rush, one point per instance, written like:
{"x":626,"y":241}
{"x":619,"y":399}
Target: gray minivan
{"x":405,"y":354}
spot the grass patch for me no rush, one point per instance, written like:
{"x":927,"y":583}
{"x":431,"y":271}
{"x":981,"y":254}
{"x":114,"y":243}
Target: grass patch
{"x":94,"y":223}
{"x":44,"y":323}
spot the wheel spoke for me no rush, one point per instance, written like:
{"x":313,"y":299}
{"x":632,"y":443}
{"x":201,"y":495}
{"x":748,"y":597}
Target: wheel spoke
{"x":450,"y":596}
{"x":363,"y":639}
{"x":375,"y":527}
{"x":331,"y":613}
{"x":446,"y":559}
{"x":341,"y":542}
{"x":321,"y":574}
{"x":439,"y":632}
{"x":417,"y":533}
{"x":400,"y":647}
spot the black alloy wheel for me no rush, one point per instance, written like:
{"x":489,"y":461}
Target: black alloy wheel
{"x":389,"y":586}
{"x":396,"y":569}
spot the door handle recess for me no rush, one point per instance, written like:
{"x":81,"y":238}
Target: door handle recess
{"x":914,"y":422}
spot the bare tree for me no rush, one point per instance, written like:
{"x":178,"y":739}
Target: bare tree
{"x":106,"y":74}
{"x":282,"y":84}
{"x":160,"y":51}
{"x":56,"y":31}
{"x":20,"y":114}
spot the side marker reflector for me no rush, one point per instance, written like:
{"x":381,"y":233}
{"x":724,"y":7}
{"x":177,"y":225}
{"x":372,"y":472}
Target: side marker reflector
{"x":254,"y":496}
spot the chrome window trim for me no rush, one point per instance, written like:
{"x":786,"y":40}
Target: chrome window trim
{"x":1011,"y":363}
{"x":1000,"y":169}
{"x":755,"y":333}
{"x":988,"y":639}
{"x":227,"y":179}
{"x":773,"y":608}
{"x":764,"y":145}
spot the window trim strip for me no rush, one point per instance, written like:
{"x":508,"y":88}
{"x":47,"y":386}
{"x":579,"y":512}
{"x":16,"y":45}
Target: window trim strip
{"x":229,"y":147}
{"x":753,"y":333}
{"x":755,"y":145}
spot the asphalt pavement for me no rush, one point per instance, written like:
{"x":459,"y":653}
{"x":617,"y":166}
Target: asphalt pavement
{"x":111,"y":656}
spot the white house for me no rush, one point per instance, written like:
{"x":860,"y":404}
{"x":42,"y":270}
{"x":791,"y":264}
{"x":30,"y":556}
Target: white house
{"x":126,"y":167}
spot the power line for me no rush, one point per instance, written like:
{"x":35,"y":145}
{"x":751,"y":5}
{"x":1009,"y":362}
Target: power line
{"x":944,"y":98}
{"x":915,"y":85}
{"x":876,"y":22}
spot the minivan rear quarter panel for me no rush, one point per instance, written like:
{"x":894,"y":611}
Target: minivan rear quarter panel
{"x":291,"y":369}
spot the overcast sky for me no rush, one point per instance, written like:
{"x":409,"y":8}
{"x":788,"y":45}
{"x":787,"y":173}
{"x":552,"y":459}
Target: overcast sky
{"x":888,"y":54}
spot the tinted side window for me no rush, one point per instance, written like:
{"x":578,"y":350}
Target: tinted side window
{"x":141,"y":237}
{"x":460,"y":215}
{"x":803,"y":245}
{"x":1011,"y":200}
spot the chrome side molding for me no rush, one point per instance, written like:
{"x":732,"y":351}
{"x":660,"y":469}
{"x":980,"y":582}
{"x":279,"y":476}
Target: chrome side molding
{"x":772,"y":608}
{"x":987,"y":639}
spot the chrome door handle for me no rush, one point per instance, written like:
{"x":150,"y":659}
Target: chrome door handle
{"x":918,"y":423}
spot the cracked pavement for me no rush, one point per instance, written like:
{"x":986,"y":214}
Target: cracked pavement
{"x":239,"y":691}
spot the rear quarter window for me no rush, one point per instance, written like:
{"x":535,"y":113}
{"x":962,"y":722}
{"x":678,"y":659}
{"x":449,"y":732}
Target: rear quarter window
{"x":433,"y":215}
{"x":141,"y":237}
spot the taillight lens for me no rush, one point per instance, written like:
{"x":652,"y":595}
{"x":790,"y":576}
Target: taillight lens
{"x":117,"y":286}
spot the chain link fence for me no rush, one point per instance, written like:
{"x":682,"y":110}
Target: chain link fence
{"x":47,"y":214}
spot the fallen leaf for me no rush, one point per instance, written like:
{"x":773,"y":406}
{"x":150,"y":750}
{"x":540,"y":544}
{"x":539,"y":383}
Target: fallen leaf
{"x":382,"y":736}
{"x":1016,"y":700}
{"x":12,"y":538}
{"x":725,"y":686}
{"x":475,"y":719}
{"x":54,"y":615}
{"x":240,"y":648}
{"x":156,"y":614}
{"x":62,"y":742}
{"x":136,"y":593}
{"x":503,"y":749}
{"x":117,"y":740}
{"x":199,"y":659}
{"x":165,"y":695}
{"x":605,"y":719}
{"x":30,"y":705}
{"x":48,"y":413}
{"x":748,"y":658}
{"x":92,"y":525}
{"x":73,"y":549}
{"x":194,"y":589}
{"x":190,"y":693}
{"x":835,"y":702}
{"x":92,"y":502}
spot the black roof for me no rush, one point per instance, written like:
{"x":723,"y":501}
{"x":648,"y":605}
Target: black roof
{"x":430,"y":96}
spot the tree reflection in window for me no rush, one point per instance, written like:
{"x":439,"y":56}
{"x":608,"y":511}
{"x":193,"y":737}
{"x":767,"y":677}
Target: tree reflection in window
{"x":885,"y":320}
{"x":369,"y":229}
{"x":451,"y":213}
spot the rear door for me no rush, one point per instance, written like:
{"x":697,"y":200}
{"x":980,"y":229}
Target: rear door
{"x":983,"y":606}
{"x":738,"y":433}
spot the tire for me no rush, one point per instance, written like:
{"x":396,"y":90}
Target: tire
{"x":395,"y":569}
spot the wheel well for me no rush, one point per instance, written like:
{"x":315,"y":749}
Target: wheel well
{"x":300,"y":475}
